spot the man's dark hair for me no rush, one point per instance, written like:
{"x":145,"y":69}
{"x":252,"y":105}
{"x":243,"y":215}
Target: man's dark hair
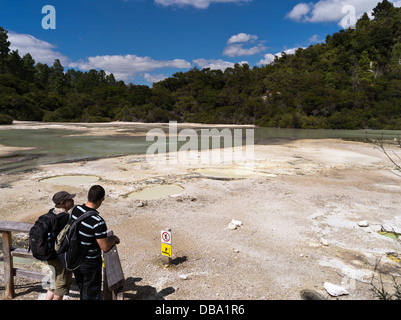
{"x":96,"y":193}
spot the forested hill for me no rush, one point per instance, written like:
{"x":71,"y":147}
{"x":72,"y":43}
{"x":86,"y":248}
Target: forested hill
{"x":352,"y":81}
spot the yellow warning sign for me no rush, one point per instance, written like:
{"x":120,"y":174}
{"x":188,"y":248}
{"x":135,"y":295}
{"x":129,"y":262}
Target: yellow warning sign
{"x":166,"y":250}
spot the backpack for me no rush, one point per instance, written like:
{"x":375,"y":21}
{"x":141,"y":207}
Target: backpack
{"x":68,"y":245}
{"x":42,"y":237}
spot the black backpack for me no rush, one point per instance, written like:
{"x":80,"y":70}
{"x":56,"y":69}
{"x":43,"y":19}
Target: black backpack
{"x":70,"y":250}
{"x":42,"y":237}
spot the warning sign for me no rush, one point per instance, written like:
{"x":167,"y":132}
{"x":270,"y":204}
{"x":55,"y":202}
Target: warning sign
{"x":166,"y":236}
{"x":166,"y":242}
{"x":166,"y":250}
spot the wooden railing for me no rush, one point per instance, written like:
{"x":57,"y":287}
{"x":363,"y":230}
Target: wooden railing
{"x":113,"y":277}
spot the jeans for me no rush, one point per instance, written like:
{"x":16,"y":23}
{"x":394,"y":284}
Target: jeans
{"x":89,"y":278}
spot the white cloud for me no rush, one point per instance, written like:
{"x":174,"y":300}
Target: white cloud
{"x":235,"y":47}
{"x":152,"y":78}
{"x":242,"y":37}
{"x":269,"y":58}
{"x":216,"y":64}
{"x":315,"y":39}
{"x":41,"y":51}
{"x":332,"y":10}
{"x":237,"y":50}
{"x":199,"y":4}
{"x":299,"y":11}
{"x":125,"y":67}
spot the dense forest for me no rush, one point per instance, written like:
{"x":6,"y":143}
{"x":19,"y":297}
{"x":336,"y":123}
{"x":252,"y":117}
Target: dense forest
{"x":351,"y":81}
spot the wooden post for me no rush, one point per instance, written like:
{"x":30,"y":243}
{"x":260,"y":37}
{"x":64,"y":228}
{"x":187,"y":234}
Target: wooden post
{"x":113,"y":284}
{"x":6,"y":229}
{"x":8,"y":266}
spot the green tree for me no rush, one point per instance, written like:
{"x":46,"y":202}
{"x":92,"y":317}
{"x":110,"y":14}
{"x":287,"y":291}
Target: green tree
{"x":15,"y":64}
{"x":28,"y":67}
{"x":4,"y":49}
{"x":42,"y":74}
{"x":395,"y":60}
{"x":383,"y":9}
{"x":57,"y":79}
{"x":364,"y":70}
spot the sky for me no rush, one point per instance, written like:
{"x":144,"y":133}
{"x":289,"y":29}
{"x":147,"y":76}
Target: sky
{"x":145,"y":41}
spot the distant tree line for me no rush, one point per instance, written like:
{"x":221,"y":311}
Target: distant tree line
{"x":351,"y":81}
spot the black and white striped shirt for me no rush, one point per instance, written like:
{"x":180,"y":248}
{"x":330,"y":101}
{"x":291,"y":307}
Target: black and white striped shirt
{"x":90,"y":229}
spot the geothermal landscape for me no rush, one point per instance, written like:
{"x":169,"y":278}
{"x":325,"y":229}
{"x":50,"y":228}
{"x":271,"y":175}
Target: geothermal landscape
{"x":302,"y":215}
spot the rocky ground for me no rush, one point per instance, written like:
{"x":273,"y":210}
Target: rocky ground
{"x":310,"y":213}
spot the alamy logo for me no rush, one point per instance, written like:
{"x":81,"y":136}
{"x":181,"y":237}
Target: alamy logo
{"x":49,"y":20}
{"x":209,"y":146}
{"x":349,"y":20}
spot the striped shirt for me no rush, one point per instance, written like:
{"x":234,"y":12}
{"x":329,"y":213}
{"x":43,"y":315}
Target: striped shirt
{"x":90,"y":229}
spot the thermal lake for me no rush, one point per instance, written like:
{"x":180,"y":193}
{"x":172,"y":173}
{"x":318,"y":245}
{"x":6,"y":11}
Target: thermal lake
{"x":47,"y":143}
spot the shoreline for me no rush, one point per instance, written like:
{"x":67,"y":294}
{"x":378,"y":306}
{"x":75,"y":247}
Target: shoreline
{"x":155,"y":124}
{"x":123,"y":123}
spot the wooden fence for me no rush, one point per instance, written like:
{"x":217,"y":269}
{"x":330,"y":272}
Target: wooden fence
{"x":113,"y":277}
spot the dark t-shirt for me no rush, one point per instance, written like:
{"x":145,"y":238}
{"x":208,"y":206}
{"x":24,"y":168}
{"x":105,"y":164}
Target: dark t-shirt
{"x":90,"y":229}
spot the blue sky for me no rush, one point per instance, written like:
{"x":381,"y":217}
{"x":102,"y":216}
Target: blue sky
{"x":142,"y":41}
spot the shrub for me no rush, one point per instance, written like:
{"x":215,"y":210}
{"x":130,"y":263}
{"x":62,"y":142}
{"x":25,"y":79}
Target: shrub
{"x":5,"y":119}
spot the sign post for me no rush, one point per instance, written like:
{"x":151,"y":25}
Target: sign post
{"x":166,"y":246}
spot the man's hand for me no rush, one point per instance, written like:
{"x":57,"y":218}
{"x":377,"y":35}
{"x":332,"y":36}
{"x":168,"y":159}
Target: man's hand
{"x":107,"y":243}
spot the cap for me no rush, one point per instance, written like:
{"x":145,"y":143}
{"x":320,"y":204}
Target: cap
{"x":61,"y":196}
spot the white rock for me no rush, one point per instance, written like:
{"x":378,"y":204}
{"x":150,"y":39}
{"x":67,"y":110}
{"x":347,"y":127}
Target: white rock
{"x":183,"y":277}
{"x":231,"y":226}
{"x":234,"y":224}
{"x":141,"y":204}
{"x":324,"y":242}
{"x":363,"y":224}
{"x":335,"y":290}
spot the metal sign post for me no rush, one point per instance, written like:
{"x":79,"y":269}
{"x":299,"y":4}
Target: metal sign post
{"x":166,"y":246}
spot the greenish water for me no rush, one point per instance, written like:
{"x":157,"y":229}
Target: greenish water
{"x":360,"y":135}
{"x":391,"y":235}
{"x":53,"y":145}
{"x":57,"y":145}
{"x":156,"y":192}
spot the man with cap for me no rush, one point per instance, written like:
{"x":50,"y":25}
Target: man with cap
{"x":63,"y":201}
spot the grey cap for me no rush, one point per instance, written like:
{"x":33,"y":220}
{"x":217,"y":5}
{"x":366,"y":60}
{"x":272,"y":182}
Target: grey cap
{"x":61,"y":196}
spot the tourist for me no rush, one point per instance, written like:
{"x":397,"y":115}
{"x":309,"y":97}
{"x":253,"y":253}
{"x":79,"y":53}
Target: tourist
{"x":94,"y":239}
{"x":60,"y":284}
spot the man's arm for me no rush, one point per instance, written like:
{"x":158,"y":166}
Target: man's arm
{"x":106,"y":244}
